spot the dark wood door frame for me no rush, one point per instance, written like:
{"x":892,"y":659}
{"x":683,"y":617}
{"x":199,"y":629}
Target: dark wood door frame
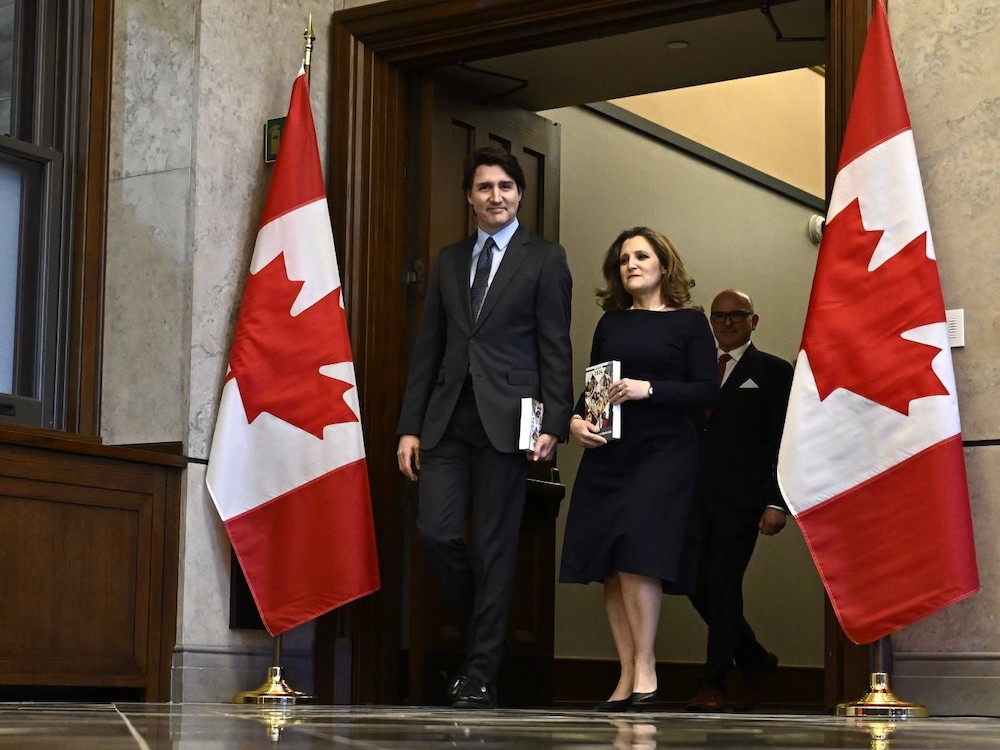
{"x":373,"y":50}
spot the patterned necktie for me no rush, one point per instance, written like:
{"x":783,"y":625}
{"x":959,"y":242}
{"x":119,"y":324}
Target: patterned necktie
{"x":723,"y":359}
{"x":481,"y":281}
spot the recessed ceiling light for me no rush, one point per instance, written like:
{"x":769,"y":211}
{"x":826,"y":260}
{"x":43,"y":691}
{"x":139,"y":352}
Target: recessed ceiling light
{"x":677,"y":44}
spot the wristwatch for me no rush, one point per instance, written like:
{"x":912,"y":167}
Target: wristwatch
{"x":650,"y":391}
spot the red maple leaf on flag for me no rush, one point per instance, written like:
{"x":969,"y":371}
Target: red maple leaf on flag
{"x":856,"y":316}
{"x":276,"y":357}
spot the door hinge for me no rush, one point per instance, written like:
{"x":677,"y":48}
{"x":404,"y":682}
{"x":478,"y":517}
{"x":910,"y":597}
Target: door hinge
{"x":414,"y":274}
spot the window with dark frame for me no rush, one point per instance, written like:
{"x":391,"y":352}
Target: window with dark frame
{"x":36,"y":116}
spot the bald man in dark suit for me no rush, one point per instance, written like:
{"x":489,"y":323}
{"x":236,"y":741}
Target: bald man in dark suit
{"x":740,"y":499}
{"x":495,"y":329}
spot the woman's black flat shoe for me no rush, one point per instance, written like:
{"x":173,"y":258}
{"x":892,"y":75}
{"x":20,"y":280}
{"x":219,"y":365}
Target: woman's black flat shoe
{"x":642,"y":701}
{"x":613,"y":706}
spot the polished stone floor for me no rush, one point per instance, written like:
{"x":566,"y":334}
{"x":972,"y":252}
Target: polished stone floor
{"x":51,"y":726}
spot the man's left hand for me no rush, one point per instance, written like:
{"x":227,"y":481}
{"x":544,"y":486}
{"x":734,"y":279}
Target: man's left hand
{"x":771,"y":522}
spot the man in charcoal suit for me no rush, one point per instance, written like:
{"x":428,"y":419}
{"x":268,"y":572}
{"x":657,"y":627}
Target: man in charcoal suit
{"x":495,"y":329}
{"x":738,"y":442}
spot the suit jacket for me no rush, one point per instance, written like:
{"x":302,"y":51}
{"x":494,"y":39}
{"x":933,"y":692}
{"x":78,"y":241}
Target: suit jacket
{"x":519,"y":346}
{"x":739,"y":439}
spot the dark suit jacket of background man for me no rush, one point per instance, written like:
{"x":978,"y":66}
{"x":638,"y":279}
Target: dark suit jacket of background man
{"x":739,"y":440}
{"x":518,"y":347}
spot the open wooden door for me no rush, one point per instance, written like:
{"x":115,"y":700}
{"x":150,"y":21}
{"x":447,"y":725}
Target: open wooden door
{"x":453,"y":124}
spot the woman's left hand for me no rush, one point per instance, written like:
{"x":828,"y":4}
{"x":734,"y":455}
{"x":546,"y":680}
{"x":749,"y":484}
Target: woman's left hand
{"x":628,"y":389}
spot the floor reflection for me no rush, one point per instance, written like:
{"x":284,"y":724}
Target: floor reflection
{"x":242,"y":727}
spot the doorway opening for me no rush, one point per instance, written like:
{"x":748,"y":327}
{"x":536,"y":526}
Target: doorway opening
{"x":376,"y":50}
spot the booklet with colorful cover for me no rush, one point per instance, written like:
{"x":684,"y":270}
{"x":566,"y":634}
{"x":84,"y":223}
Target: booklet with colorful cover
{"x":531,"y":423}
{"x":598,"y":408}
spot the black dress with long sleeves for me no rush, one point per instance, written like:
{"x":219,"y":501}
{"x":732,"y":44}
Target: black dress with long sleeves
{"x":634,"y":499}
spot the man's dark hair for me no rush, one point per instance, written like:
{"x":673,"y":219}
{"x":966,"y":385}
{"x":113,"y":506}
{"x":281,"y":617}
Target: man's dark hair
{"x":493,"y":157}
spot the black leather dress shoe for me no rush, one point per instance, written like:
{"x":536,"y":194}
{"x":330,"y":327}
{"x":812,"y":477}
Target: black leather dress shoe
{"x":476,"y":694}
{"x":642,"y":701}
{"x":613,"y":706}
{"x":455,"y":687}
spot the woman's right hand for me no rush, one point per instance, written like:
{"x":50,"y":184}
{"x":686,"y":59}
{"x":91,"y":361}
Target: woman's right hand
{"x":585,"y":433}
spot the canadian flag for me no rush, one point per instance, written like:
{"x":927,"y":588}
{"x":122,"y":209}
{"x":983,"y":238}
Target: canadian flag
{"x":287,"y":468}
{"x":871,"y":459}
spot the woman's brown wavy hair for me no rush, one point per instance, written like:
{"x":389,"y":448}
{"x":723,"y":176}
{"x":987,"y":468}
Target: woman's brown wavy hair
{"x":676,"y":285}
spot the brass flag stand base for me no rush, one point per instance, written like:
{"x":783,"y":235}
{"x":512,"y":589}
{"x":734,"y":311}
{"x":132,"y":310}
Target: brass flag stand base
{"x":274,"y":691}
{"x":881,"y":703}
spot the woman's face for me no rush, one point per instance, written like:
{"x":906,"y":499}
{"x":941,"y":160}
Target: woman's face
{"x":641,"y":271}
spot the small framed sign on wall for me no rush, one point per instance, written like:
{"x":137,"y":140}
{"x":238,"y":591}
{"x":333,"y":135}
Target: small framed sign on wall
{"x":272,"y":138}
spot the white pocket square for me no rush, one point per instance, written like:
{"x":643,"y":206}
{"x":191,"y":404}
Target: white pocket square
{"x":749,"y":384}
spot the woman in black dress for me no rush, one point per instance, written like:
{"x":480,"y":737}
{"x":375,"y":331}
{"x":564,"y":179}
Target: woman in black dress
{"x":631,"y":517}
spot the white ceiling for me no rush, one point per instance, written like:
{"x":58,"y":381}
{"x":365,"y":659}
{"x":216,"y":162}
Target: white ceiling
{"x":722,"y":48}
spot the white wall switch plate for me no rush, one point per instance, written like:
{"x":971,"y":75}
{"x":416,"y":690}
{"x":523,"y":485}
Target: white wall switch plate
{"x":956,"y":327}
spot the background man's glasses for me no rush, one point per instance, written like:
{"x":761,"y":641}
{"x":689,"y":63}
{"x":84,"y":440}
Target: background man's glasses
{"x":736,"y":316}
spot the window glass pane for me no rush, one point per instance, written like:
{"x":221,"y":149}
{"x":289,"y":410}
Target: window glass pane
{"x":41,"y":80}
{"x":10,"y":229}
{"x":23,"y":266}
{"x":6,"y":62}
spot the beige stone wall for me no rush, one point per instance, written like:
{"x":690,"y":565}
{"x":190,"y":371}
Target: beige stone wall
{"x":946,"y":54}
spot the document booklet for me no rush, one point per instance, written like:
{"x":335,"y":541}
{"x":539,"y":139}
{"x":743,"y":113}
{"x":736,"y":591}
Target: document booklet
{"x":531,"y":423}
{"x":597,"y":405}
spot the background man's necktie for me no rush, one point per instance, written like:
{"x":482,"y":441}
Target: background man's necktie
{"x":481,"y":281}
{"x":723,"y":359}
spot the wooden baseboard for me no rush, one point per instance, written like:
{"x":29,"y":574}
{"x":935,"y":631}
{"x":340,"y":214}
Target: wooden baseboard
{"x":582,"y":683}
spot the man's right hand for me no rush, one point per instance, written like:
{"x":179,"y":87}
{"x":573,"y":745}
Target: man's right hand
{"x":408,"y":456}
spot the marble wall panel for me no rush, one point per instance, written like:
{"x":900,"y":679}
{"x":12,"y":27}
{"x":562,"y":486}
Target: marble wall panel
{"x":153,"y":79}
{"x":147,"y":310}
{"x":204,"y":574}
{"x":946,"y":56}
{"x":147,"y":281}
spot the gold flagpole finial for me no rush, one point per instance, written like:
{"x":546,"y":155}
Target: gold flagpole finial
{"x":308,"y":39}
